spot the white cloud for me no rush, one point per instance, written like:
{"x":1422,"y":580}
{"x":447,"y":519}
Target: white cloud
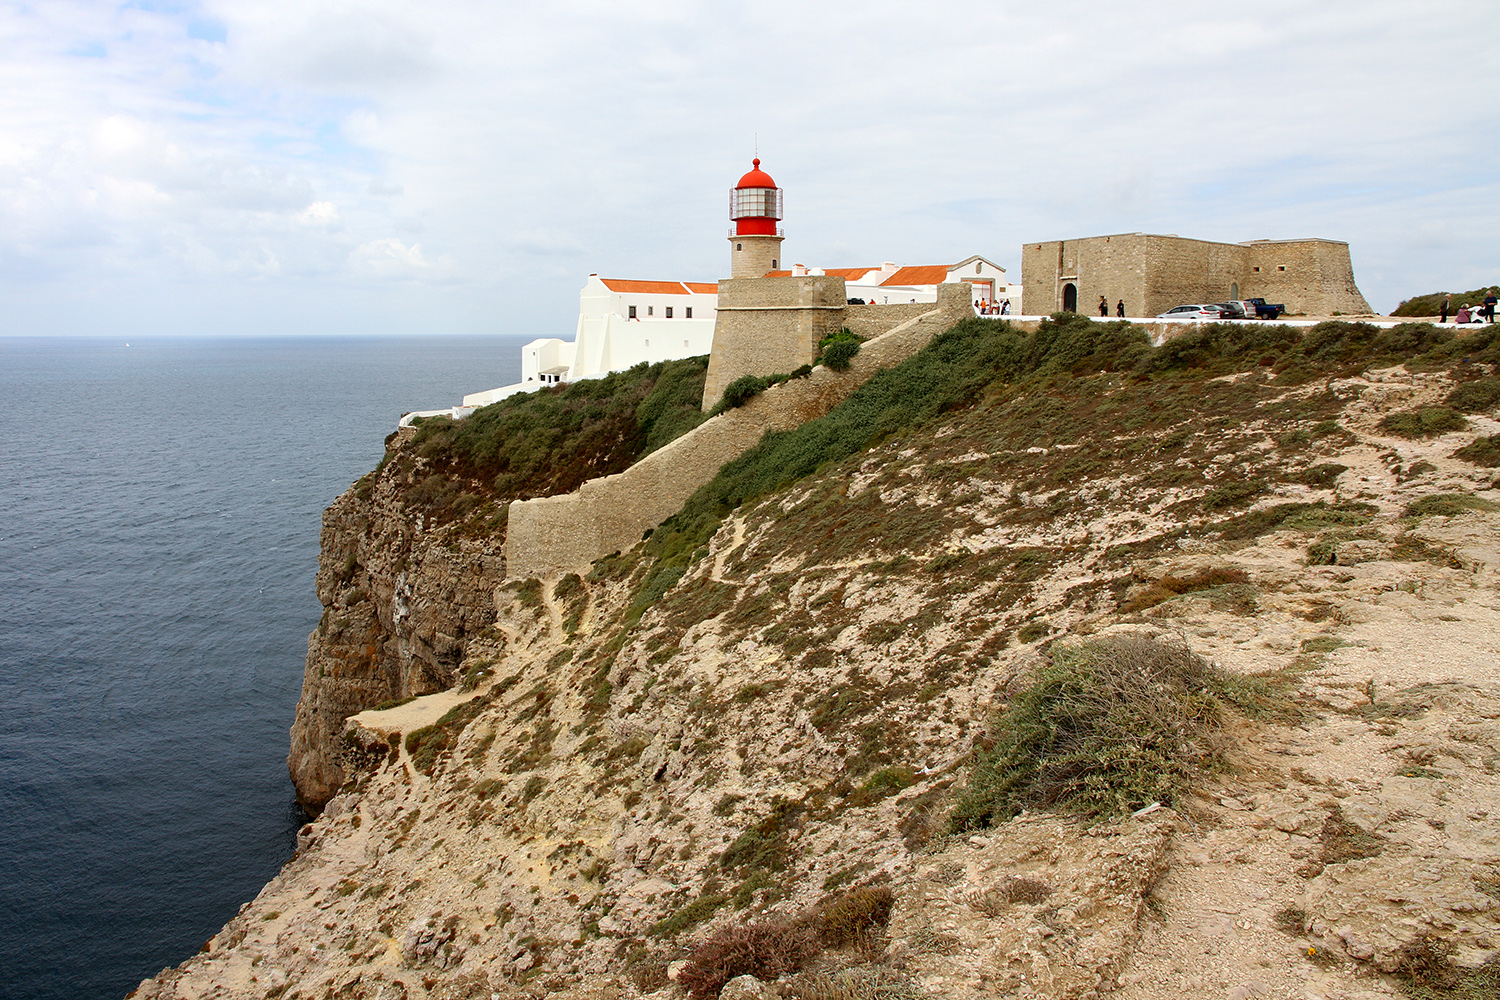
{"x":496,"y":154}
{"x":319,"y":213}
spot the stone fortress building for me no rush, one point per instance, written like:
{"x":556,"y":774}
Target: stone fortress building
{"x":1151,"y":274}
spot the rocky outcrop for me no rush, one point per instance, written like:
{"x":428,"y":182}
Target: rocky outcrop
{"x":401,"y":599}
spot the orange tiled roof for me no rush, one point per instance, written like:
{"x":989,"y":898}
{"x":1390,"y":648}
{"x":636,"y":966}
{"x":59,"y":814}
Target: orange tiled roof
{"x":644,"y":287}
{"x":847,"y":273}
{"x":926,"y":274}
{"x":702,"y":287}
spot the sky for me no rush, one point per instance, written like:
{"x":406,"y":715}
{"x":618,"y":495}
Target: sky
{"x":260,"y":167}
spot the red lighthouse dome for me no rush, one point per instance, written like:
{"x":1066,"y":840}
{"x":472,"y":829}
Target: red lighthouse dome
{"x":755,"y":204}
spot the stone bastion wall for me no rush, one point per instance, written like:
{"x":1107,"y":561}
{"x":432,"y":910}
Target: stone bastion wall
{"x":549,"y":536}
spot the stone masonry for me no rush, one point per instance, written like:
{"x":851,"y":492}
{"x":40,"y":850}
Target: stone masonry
{"x":548,"y":536}
{"x":1154,"y":273}
{"x":770,"y":325}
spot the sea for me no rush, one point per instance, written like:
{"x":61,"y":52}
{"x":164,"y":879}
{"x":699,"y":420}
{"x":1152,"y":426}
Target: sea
{"x":160,"y":502}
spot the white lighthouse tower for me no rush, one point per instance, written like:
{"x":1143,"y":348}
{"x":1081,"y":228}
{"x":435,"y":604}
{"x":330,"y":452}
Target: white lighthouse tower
{"x":755,"y":240}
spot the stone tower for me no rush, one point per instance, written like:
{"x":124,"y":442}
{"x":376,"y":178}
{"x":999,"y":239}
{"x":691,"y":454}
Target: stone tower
{"x":755,"y":241}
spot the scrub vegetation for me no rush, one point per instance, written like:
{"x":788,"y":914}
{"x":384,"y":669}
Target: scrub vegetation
{"x":551,"y":441}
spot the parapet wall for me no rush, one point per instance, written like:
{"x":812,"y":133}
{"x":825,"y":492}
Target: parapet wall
{"x":549,"y":536}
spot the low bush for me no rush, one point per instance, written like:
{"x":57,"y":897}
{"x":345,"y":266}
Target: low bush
{"x":742,"y":390}
{"x":550,"y":441}
{"x":1431,"y":304}
{"x":1426,"y":971}
{"x":1168,"y":586}
{"x":1482,"y":451}
{"x":837,"y":354}
{"x":1448,"y":505}
{"x":853,"y":918}
{"x":1479,"y":396}
{"x":1108,"y":727}
{"x":764,"y":950}
{"x":1429,"y":421}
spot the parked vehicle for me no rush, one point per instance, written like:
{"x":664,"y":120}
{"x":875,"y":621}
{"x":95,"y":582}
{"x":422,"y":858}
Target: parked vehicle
{"x":1265,"y":310}
{"x":1231,"y":310}
{"x":1198,"y":314}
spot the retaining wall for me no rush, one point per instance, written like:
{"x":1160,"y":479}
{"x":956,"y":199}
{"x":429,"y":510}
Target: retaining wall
{"x":549,"y":536}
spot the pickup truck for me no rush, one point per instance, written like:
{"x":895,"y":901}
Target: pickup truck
{"x":1264,"y":309}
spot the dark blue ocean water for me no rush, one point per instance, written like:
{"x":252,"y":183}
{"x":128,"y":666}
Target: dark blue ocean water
{"x":159,"y":515}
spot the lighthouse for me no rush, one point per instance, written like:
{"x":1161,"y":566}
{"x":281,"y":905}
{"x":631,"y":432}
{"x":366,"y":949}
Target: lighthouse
{"x":755,"y":240}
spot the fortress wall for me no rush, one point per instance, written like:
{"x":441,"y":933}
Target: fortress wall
{"x":554,"y":535}
{"x":1154,"y":273}
{"x":765,"y":326}
{"x":1180,"y":271}
{"x":1313,"y":277}
{"x":1112,"y":266}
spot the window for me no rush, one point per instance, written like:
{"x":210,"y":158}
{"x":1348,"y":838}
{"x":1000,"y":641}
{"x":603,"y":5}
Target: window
{"x":669,"y":312}
{"x":632,"y":312}
{"x":773,"y":263}
{"x":1281,"y":267}
{"x":739,"y":246}
{"x":1256,"y":269}
{"x":977,"y":268}
{"x":684,"y":345}
{"x":688,"y":312}
{"x":648,"y":342}
{"x":650,"y":310}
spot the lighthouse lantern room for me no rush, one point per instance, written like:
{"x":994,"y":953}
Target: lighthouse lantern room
{"x":755,"y":241}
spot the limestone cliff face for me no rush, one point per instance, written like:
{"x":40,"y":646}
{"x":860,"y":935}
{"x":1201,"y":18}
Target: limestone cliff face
{"x":402,"y":597}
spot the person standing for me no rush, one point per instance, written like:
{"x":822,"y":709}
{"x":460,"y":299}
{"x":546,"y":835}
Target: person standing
{"x":1447,"y":300}
{"x":1489,"y":307}
{"x":1103,"y":306}
{"x":1120,"y":308}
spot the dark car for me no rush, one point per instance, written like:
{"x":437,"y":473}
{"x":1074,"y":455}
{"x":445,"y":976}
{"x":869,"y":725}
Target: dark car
{"x":1230,"y":310}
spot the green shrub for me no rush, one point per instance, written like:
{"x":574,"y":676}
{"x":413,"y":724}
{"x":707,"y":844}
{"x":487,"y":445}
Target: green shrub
{"x":1431,"y":304}
{"x":1108,"y":727}
{"x":852,"y":918}
{"x":1482,"y":451}
{"x":425,"y":744}
{"x":882,"y":785}
{"x":1168,"y":586}
{"x":742,"y":390}
{"x":1479,"y":396}
{"x":837,"y":354}
{"x":1429,"y":421}
{"x":1321,"y":477}
{"x":550,"y":441}
{"x":689,"y":916}
{"x":1448,"y":505}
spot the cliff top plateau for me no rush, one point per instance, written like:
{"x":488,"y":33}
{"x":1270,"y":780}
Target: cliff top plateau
{"x":1046,"y":664}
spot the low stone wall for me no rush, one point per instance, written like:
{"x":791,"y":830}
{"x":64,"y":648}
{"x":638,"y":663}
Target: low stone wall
{"x":871,"y":320}
{"x":549,"y":536}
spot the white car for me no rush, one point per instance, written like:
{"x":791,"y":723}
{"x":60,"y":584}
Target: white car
{"x":1196,"y":313}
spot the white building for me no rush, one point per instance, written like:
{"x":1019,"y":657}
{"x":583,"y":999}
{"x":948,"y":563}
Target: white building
{"x":891,"y":283}
{"x":621,"y":322}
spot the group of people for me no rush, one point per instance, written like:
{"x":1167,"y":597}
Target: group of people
{"x":1469,"y":314}
{"x":1104,"y":307}
{"x":984,"y":307}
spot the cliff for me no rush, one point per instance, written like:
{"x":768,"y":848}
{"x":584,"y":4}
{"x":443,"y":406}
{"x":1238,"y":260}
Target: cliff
{"x":411,"y":554}
{"x":789,"y":732}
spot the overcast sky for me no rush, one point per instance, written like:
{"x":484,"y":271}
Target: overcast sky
{"x":311,"y":167}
